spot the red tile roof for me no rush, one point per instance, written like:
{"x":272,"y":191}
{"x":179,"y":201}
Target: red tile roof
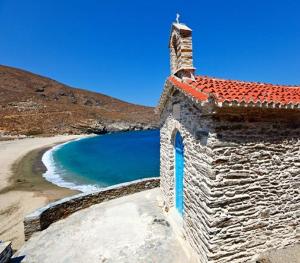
{"x":238,"y":92}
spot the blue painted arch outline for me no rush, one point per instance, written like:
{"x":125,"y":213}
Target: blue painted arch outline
{"x":179,"y":172}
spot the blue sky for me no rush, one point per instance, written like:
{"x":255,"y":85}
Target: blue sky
{"x":120,"y":48}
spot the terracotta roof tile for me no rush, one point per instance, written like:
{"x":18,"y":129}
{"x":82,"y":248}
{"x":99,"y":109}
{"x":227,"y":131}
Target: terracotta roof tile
{"x":189,"y":89}
{"x":229,"y":91}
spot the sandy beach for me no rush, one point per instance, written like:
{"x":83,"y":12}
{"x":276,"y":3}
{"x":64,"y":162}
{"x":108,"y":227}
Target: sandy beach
{"x":22,"y":187}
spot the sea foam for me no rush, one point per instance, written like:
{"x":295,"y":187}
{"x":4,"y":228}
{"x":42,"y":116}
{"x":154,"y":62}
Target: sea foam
{"x":93,"y":163}
{"x":54,"y":173}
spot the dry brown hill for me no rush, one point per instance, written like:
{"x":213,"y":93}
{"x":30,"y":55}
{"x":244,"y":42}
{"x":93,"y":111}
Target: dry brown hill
{"x":31,"y":104}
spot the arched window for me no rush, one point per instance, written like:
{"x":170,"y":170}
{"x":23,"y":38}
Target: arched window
{"x":174,"y":54}
{"x":174,"y":45}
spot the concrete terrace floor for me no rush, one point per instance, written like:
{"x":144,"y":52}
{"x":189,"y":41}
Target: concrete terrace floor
{"x":128,"y":229}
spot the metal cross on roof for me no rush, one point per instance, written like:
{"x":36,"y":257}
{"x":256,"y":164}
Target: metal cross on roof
{"x":177,"y":18}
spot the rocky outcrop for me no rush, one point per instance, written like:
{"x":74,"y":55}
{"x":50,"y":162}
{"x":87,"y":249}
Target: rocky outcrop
{"x":98,"y":127}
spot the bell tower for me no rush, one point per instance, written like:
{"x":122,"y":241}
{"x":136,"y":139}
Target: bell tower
{"x":181,"y":50}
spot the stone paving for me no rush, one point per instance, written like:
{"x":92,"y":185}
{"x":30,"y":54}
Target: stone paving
{"x":128,"y":229}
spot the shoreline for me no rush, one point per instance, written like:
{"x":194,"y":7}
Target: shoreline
{"x":22,"y":185}
{"x":53,"y":174}
{"x":27,"y":175}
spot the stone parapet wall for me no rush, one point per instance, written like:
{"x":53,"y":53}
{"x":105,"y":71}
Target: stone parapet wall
{"x":45,"y":216}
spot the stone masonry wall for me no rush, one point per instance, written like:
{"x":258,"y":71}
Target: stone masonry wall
{"x":45,"y":216}
{"x":197,"y":169}
{"x":241,"y":178}
{"x":256,"y":162}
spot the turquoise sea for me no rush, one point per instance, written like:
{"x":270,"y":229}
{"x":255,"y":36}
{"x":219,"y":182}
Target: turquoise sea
{"x":100,"y":161}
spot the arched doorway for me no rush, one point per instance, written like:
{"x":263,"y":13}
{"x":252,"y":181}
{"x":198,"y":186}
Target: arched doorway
{"x":179,"y":167}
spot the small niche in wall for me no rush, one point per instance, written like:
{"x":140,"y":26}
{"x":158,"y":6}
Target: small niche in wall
{"x":202,"y":136}
{"x":176,"y":111}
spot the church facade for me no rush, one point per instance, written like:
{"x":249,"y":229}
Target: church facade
{"x":230,"y":160}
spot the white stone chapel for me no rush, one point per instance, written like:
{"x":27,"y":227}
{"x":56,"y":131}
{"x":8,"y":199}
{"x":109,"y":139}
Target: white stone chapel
{"x":230,"y":159}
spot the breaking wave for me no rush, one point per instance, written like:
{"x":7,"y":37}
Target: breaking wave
{"x":56,"y":173}
{"x":95,"y":162}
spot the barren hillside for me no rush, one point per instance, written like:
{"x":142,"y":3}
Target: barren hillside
{"x":31,"y":104}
